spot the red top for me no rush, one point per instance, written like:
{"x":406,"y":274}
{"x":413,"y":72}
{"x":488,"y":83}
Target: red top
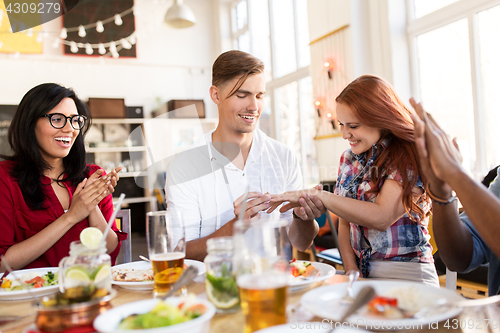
{"x":18,"y":222}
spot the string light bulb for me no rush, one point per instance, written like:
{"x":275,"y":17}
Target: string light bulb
{"x":99,"y":27}
{"x":102,"y":50}
{"x":88,"y":49}
{"x":329,"y":115}
{"x":118,"y":19}
{"x":73,"y":47}
{"x":56,"y":43}
{"x":115,"y":55}
{"x":125,"y":44}
{"x":39,"y":38}
{"x":1,"y":44}
{"x":317,"y":103}
{"x":63,"y":34}
{"x":29,"y":32}
{"x":132,"y":39}
{"x":112,"y":47}
{"x":81,"y":31}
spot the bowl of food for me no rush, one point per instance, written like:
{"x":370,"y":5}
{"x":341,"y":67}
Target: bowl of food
{"x":58,"y":313}
{"x":176,"y":314}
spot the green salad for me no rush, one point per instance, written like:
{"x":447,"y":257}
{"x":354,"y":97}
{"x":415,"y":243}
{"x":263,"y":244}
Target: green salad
{"x":30,"y":280}
{"x":163,"y":314}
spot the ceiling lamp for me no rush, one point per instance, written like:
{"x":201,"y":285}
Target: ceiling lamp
{"x":180,"y":16}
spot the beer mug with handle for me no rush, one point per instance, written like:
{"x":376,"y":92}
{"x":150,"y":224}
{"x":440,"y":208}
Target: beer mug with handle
{"x":261,"y":266}
{"x":166,"y":239}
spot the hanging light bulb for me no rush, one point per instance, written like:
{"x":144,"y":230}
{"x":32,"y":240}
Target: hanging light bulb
{"x":81,"y":31}
{"x":73,"y":47}
{"x":115,"y":55}
{"x":39,"y":38}
{"x":88,"y":49}
{"x":56,"y":43}
{"x":118,"y":19}
{"x":29,"y":32}
{"x":63,"y":34}
{"x":132,"y":39}
{"x":102,"y":50}
{"x":112,"y":47}
{"x":1,"y":44}
{"x":125,"y":44}
{"x":99,"y":27}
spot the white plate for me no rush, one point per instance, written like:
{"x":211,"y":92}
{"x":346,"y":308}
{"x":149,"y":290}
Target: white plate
{"x":15,"y":295}
{"x":325,"y":272}
{"x":109,"y":320}
{"x":325,"y":302}
{"x":313,"y":327}
{"x":148,"y":285}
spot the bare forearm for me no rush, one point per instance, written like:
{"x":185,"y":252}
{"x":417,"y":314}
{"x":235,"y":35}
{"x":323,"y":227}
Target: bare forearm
{"x":482,"y":207}
{"x":364,"y":213}
{"x":345,"y":247}
{"x":197,"y":248}
{"x":302,"y":233}
{"x":23,"y":253}
{"x":97,"y":220}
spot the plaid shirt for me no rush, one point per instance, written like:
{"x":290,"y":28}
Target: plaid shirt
{"x":405,"y":240}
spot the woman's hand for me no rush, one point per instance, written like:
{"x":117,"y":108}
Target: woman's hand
{"x":112,"y":175}
{"x":87,"y":196}
{"x":437,"y":153}
{"x":293,"y":199}
{"x":311,"y":208}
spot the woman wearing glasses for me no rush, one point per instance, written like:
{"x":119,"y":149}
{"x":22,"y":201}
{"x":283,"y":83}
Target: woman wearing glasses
{"x":48,"y":194}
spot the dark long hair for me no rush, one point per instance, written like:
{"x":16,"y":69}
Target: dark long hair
{"x":375,"y":103}
{"x":29,"y":163}
{"x":232,"y":64}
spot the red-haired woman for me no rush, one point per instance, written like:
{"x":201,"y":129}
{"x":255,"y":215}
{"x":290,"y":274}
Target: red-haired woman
{"x":379,"y":197}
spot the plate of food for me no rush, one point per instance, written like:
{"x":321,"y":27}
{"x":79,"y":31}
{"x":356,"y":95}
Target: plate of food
{"x":39,"y":281}
{"x":176,"y":314}
{"x":139,"y":274}
{"x":397,"y":305}
{"x":306,"y":274}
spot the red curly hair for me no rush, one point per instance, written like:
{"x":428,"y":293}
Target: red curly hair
{"x":375,"y":103}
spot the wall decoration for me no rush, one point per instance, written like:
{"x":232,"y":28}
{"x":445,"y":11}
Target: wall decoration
{"x":96,"y":27}
{"x":27,"y":41}
{"x":331,"y":71}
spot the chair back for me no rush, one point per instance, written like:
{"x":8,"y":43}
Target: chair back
{"x":123,"y":215}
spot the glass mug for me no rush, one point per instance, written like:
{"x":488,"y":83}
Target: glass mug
{"x":165,"y":235}
{"x":85,"y":271}
{"x":261,"y":266}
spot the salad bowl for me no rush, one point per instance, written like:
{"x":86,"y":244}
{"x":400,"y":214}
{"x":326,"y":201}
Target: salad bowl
{"x":110,"y":320}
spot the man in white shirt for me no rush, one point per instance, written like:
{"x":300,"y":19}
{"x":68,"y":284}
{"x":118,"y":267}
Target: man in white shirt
{"x":209,"y":182}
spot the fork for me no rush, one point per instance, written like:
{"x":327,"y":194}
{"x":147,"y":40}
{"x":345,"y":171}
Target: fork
{"x":348,"y":298}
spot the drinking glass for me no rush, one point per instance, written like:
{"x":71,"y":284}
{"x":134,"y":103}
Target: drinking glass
{"x":261,"y":267}
{"x":167,"y":248}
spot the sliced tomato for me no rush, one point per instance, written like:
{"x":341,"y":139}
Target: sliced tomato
{"x":383,"y":301}
{"x":37,"y":282}
{"x":295,"y":271}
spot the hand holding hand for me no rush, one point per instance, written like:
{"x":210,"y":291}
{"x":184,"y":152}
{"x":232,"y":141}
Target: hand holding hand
{"x":88,"y":195}
{"x":293,"y":199}
{"x":311,"y":208}
{"x":259,"y":202}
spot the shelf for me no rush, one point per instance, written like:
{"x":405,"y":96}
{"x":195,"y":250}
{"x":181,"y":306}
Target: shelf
{"x":135,"y":200}
{"x":119,"y":120}
{"x":115,"y":149}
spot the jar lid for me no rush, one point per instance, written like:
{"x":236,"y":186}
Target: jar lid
{"x":220,"y":243}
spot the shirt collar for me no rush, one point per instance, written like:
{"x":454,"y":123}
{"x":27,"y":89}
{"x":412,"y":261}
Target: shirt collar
{"x":361,"y":158}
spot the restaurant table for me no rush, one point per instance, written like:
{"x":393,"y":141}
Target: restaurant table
{"x":475,"y":318}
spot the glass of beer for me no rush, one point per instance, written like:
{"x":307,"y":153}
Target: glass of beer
{"x":167,"y":248}
{"x":260,"y":261}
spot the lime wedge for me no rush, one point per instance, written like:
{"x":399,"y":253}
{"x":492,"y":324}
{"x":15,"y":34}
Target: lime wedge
{"x":78,"y":274}
{"x":219,"y":299}
{"x":91,"y":237}
{"x":102,"y":273}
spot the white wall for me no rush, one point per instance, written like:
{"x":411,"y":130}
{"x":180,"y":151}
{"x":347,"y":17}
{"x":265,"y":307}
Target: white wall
{"x":170,"y":64}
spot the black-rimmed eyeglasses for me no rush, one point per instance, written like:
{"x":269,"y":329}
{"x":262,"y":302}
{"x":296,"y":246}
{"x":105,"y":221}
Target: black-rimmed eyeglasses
{"x":58,"y":120}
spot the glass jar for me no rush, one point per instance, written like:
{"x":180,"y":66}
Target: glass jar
{"x":220,"y":281}
{"x":85,"y":272}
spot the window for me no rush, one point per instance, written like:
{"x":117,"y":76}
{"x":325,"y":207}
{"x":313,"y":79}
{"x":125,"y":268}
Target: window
{"x":276,"y":31}
{"x":455,"y":68}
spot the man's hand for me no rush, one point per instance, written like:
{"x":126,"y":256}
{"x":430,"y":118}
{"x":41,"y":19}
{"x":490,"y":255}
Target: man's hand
{"x":293,"y":199}
{"x":259,"y":202}
{"x":311,"y":208}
